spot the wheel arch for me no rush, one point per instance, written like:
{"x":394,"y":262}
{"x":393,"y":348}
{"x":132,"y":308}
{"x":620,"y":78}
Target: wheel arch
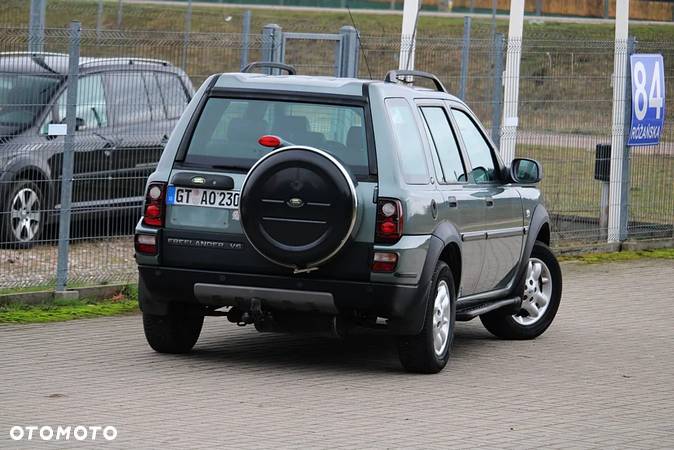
{"x":445,"y":245}
{"x":539,"y":229}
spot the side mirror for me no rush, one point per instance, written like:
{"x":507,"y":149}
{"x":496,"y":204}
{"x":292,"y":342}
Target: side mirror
{"x":526,"y":171}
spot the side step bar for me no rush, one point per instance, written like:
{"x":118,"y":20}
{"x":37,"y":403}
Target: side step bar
{"x":472,"y":312}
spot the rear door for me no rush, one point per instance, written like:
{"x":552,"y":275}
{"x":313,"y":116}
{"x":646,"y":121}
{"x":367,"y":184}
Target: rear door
{"x":93,"y":142}
{"x":140,"y":129}
{"x":503,"y":221}
{"x":462,"y":204}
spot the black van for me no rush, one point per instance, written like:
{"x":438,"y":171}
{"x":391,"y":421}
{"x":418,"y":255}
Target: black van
{"x":126,"y":110}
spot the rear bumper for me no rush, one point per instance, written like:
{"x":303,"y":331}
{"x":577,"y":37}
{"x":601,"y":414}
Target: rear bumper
{"x":403,"y":305}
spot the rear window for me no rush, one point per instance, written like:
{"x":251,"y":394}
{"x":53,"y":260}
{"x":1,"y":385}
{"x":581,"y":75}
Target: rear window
{"x":228,"y":131}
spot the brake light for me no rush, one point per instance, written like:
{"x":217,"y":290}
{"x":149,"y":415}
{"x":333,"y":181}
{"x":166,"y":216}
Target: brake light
{"x":146,"y":243}
{"x":389,"y":226}
{"x":153,"y":213}
{"x":269,"y":140}
{"x":384,"y":262}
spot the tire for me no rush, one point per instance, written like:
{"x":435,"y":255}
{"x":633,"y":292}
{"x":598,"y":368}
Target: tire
{"x":418,"y":353}
{"x":522,"y":325}
{"x":23,"y":215}
{"x":176,"y":332}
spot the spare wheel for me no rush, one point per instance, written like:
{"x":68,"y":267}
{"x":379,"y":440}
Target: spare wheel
{"x":298,"y":206}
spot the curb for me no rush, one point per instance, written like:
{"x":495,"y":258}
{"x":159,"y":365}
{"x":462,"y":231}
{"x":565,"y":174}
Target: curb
{"x":91,"y":292}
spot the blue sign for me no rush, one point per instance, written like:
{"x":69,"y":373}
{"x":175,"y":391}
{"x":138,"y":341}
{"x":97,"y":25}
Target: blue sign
{"x":648,"y":99}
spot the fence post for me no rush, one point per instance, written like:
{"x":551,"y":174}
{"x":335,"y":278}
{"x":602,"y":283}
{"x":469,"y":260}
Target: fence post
{"x":626,"y":178}
{"x":539,"y":7}
{"x":605,"y":9}
{"x":99,"y":19}
{"x":36,"y":26}
{"x":621,"y":98}
{"x":186,"y":35}
{"x":120,"y":12}
{"x":349,"y":51}
{"x":68,"y":159}
{"x":465,"y":57}
{"x":497,"y":89}
{"x":471,"y":6}
{"x":272,"y":37}
{"x":245,"y":38}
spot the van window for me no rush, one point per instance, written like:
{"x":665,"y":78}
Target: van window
{"x":173,"y":94}
{"x":128,"y":97}
{"x":228,"y":131}
{"x":410,"y":149}
{"x":91,"y":104}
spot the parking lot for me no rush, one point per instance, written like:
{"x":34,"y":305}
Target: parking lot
{"x":602,"y":376}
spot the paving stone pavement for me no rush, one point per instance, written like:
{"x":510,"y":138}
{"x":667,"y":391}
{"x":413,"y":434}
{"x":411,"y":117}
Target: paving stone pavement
{"x":601,"y":377}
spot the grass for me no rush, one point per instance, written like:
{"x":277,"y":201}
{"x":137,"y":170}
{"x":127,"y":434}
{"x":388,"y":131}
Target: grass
{"x":631,"y":255}
{"x":569,"y":185}
{"x":62,"y":310}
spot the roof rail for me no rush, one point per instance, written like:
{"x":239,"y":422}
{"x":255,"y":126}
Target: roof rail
{"x":273,"y":65}
{"x":130,"y":61}
{"x":393,"y":76}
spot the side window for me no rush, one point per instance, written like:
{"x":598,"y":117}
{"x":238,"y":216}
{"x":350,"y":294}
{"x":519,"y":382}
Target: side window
{"x":410,"y":148}
{"x":128,"y":97}
{"x":154,"y":94}
{"x":478,"y":149}
{"x":445,"y":144}
{"x":173,"y":94}
{"x":91,"y":105}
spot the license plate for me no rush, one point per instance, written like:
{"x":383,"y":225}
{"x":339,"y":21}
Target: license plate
{"x":210,"y":198}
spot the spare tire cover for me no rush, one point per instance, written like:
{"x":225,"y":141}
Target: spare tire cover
{"x":298,"y":206}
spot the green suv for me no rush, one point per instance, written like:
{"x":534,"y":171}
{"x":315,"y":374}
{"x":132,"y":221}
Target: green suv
{"x":303,"y":203}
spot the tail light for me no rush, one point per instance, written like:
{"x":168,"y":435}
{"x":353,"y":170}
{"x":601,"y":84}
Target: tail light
{"x":146,"y":244}
{"x":384,"y":262}
{"x":153,"y":213}
{"x":389,"y":226}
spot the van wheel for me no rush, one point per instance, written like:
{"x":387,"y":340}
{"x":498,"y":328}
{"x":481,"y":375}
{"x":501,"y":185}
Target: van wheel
{"x":23,"y":218}
{"x":176,"y":332}
{"x":541,"y":294}
{"x":428,"y":351}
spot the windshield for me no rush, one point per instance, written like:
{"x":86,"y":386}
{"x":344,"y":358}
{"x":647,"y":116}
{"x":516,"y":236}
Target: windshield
{"x":22,"y":97}
{"x":228,"y":131}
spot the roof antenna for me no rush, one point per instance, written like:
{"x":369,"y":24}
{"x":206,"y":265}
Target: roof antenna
{"x":360,"y":43}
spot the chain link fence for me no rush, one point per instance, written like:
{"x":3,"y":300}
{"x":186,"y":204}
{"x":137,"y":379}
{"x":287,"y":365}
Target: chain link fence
{"x":132,"y":86}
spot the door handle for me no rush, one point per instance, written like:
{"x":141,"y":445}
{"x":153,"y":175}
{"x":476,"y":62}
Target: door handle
{"x":489,"y":201}
{"x":452,"y":202}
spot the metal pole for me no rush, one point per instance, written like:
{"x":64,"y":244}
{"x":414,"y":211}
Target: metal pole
{"x":120,"y":12}
{"x":493,"y":18}
{"x":605,"y":9}
{"x":68,"y":158}
{"x":539,"y":7}
{"x":471,"y":7}
{"x":512,"y":81}
{"x":626,"y":178}
{"x":618,"y":150}
{"x":465,"y":57}
{"x":245,"y":38}
{"x":349,"y":52}
{"x":36,"y":26}
{"x":272,"y":38}
{"x":407,"y":36}
{"x":99,"y":18}
{"x":186,"y":35}
{"x":497,"y":90}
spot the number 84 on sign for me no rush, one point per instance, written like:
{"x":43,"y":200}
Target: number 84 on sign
{"x":648,"y":99}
